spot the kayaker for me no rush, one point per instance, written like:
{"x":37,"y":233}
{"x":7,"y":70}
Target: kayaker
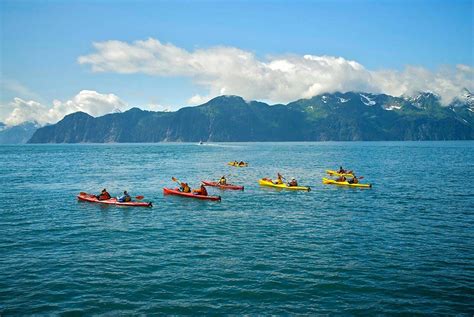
{"x":242,"y":163}
{"x":293,"y":182}
{"x":185,"y":188}
{"x":354,"y":180}
{"x":104,"y":195}
{"x":125,"y":197}
{"x":223,"y":180}
{"x":279,"y":179}
{"x":341,"y":179}
{"x":341,"y":170}
{"x":201,"y":191}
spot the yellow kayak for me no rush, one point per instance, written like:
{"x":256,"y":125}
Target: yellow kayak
{"x":336,"y":173}
{"x":264,"y":182}
{"x":238,"y":165}
{"x":328,"y":181}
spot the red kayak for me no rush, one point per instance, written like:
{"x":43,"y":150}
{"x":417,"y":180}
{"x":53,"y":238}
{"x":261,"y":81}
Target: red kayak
{"x":226,"y":186}
{"x":170,"y":191}
{"x":112,"y":201}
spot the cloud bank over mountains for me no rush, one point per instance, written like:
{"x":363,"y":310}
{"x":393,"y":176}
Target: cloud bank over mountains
{"x":230,"y":70}
{"x":88,"y":101}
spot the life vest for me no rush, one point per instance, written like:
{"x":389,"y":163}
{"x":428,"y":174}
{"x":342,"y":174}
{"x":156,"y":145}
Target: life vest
{"x":185,"y":188}
{"x":104,"y":196}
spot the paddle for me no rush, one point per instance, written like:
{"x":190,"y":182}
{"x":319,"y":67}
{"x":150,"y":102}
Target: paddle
{"x":176,"y":180}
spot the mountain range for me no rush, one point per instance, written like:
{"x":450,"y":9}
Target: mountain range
{"x":17,"y":134}
{"x":351,"y":116}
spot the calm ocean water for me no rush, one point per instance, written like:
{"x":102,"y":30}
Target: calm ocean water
{"x":405,"y":246}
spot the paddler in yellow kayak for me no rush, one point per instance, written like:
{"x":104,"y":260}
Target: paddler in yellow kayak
{"x":343,"y":171}
{"x":279,"y":179}
{"x":354,"y":180}
{"x":341,"y":178}
{"x":293,"y":182}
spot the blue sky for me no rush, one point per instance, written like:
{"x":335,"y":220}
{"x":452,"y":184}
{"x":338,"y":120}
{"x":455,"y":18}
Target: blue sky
{"x":41,"y":41}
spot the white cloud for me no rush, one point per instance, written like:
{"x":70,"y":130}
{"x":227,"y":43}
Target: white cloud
{"x":88,"y":101}
{"x":279,"y":78}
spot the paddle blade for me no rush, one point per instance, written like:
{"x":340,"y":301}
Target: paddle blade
{"x":176,"y":180}
{"x":140,"y":197}
{"x":361,"y":177}
{"x":82,"y":193}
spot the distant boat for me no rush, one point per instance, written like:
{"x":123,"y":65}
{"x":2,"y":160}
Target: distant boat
{"x":201,"y":143}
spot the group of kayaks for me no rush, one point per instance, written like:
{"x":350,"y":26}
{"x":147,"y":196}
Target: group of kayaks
{"x":267,"y":182}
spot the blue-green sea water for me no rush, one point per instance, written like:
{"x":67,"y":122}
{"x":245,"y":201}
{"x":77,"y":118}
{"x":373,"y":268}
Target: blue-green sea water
{"x":405,"y":246}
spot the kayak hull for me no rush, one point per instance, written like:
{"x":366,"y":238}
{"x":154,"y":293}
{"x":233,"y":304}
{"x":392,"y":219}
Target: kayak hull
{"x":267,"y":183}
{"x":176,"y":192}
{"x":328,"y":181}
{"x":227,"y":186}
{"x":336,"y":173}
{"x":112,"y":201}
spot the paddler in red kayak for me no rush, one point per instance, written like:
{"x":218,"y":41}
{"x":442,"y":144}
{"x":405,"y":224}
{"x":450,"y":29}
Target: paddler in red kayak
{"x":125,"y":197}
{"x":104,"y":195}
{"x":201,"y":191}
{"x":223,"y":181}
{"x":185,"y":188}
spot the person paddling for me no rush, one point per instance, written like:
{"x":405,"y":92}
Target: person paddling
{"x":354,"y":180}
{"x":185,"y":188}
{"x":341,"y":170}
{"x":125,"y":197}
{"x":201,"y":191}
{"x":341,"y":179}
{"x":279,"y":179}
{"x":293,"y":182}
{"x":223,"y":180}
{"x":104,"y":195}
